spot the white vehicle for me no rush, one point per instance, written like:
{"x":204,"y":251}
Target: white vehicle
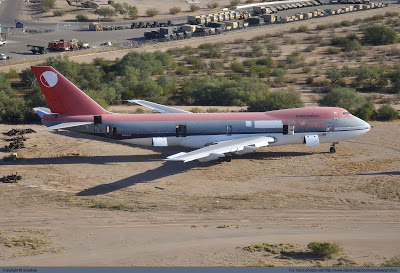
{"x":3,"y":43}
{"x":4,"y":56}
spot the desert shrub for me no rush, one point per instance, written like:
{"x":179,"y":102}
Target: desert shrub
{"x":387,"y":112}
{"x":310,"y":80}
{"x":238,"y":67}
{"x":272,"y":47}
{"x":59,"y":12}
{"x":212,"y":5}
{"x":152,"y":12}
{"x":174,"y":10}
{"x":352,"y":45}
{"x":333,"y":50}
{"x":106,"y":12}
{"x":268,"y":62}
{"x":307,"y":69}
{"x":214,"y":52}
{"x":276,"y":100}
{"x":181,"y":70}
{"x":234,"y":3}
{"x":194,"y":8}
{"x":258,"y":71}
{"x":392,"y":262}
{"x":126,"y":10}
{"x":310,"y":48}
{"x":323,"y":27}
{"x":366,"y":111}
{"x":347,"y":98}
{"x":394,"y":77}
{"x":294,"y":57}
{"x":81,"y":17}
{"x":256,"y":48}
{"x":324,"y":250}
{"x":46,"y":5}
{"x":303,"y":29}
{"x":380,"y":35}
{"x":12,"y":74}
{"x":316,"y":38}
{"x":371,"y":77}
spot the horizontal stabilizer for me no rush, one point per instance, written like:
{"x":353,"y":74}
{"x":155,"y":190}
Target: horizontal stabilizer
{"x":159,"y":107}
{"x":42,"y":111}
{"x":67,"y":125}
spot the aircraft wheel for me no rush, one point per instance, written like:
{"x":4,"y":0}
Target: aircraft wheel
{"x":332,"y":150}
{"x":228,"y":159}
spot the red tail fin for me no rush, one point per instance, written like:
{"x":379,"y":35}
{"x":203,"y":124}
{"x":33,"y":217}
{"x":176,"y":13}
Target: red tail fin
{"x":62,"y":96}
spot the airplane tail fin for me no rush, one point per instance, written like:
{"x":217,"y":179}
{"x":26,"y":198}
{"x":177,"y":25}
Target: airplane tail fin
{"x":62,"y":96}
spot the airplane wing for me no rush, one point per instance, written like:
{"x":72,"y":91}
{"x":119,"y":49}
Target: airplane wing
{"x":67,"y":125}
{"x":159,"y":107}
{"x":221,"y":149}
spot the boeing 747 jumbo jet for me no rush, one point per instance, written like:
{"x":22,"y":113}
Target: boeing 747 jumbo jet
{"x":212,"y":135}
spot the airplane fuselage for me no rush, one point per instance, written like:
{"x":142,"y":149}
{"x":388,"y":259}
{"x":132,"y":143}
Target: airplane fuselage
{"x":196,"y":130}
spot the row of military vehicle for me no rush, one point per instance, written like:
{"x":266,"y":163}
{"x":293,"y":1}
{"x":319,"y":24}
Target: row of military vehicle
{"x":187,"y":31}
{"x":214,"y":27}
{"x":259,"y":10}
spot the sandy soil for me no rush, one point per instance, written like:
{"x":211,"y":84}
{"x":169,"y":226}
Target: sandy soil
{"x":85,"y":202}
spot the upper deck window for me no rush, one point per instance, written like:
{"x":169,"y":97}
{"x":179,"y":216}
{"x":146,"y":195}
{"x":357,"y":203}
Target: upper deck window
{"x":346,"y":113}
{"x":307,"y":116}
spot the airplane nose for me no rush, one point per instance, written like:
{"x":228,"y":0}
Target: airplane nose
{"x":367,"y":126}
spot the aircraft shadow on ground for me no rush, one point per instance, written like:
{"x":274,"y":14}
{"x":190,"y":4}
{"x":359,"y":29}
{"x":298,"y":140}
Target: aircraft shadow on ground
{"x":165,"y":170}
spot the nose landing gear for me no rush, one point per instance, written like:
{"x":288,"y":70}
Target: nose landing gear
{"x":333,"y":148}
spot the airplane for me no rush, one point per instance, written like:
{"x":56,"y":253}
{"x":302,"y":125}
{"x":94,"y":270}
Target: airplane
{"x":213,"y":135}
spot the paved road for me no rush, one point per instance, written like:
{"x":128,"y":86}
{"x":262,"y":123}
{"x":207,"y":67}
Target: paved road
{"x":11,"y":11}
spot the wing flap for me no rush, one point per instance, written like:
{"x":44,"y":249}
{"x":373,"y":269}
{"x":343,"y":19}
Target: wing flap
{"x":67,"y":125}
{"x":159,"y":107}
{"x":215,"y":151}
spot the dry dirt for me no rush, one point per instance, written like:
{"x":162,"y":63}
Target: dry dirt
{"x":86,"y":202}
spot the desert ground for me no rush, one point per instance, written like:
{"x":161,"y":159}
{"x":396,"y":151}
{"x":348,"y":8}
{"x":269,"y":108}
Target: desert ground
{"x":88,"y":202}
{"x":84,"y":201}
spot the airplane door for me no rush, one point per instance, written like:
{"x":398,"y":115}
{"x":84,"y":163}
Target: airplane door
{"x":328,"y":128}
{"x":97,"y":123}
{"x":228,"y":130}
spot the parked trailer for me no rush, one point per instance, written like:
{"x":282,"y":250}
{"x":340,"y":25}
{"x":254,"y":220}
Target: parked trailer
{"x":256,"y":21}
{"x":96,"y":27}
{"x":269,"y":18}
{"x":219,"y":26}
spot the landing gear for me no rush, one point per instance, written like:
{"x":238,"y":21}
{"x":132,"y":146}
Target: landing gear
{"x":228,"y":158}
{"x":333,"y":148}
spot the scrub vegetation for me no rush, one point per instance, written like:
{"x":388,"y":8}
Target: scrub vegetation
{"x":252,"y":73}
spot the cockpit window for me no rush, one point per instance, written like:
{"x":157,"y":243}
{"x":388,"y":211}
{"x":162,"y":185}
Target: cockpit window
{"x":346,"y":113}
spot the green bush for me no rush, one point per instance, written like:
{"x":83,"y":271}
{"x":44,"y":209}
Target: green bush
{"x":387,"y":112}
{"x":106,"y":12}
{"x":380,"y":35}
{"x":346,"y":98}
{"x":333,"y":50}
{"x":174,"y":10}
{"x":59,"y":12}
{"x":152,"y":12}
{"x":324,"y":250}
{"x":212,"y":5}
{"x":276,"y":100}
{"x":234,"y":3}
{"x":194,"y":8}
{"x":366,"y":111}
{"x":46,"y":5}
{"x":81,"y":17}
{"x":238,"y":67}
{"x":394,"y":77}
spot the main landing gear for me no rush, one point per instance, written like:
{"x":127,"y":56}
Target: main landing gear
{"x":333,"y":148}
